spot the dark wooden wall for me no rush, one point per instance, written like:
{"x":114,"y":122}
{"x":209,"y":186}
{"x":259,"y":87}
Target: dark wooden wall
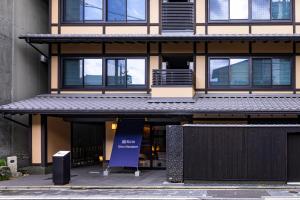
{"x":235,"y":153}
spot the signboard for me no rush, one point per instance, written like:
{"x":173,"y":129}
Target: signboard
{"x":127,"y":144}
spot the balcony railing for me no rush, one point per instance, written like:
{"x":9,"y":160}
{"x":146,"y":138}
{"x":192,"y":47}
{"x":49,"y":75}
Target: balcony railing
{"x":177,"y":16}
{"x":173,"y":77}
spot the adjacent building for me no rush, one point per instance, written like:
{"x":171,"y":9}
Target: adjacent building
{"x":170,"y":63}
{"x":22,"y":74}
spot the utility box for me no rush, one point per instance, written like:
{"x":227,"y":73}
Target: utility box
{"x":13,"y":165}
{"x":61,"y":168}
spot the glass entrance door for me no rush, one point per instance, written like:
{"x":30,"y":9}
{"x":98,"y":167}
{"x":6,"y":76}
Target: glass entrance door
{"x":153,"y":149}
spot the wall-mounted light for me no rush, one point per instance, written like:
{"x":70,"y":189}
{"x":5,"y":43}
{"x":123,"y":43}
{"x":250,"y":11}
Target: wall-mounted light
{"x":101,"y":158}
{"x":114,"y":126}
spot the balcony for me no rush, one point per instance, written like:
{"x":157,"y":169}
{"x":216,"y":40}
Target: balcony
{"x":173,"y":83}
{"x":172,"y":77}
{"x":177,"y":16}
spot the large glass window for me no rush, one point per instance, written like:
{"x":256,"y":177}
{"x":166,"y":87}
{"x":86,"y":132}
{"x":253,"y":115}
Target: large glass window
{"x":266,"y":72}
{"x":126,"y":10}
{"x":126,"y":72}
{"x":116,"y":72}
{"x":82,"y":72}
{"x":225,"y":72}
{"x":83,"y":10}
{"x":267,"y":10}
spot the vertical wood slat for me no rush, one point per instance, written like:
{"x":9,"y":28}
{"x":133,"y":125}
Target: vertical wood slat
{"x":215,"y":154}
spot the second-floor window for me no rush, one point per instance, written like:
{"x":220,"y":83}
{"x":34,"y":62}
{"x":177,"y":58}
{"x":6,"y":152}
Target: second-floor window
{"x":126,"y":10}
{"x":253,"y":72}
{"x":93,"y":11}
{"x":83,"y":10}
{"x":103,"y":72}
{"x":253,"y":10}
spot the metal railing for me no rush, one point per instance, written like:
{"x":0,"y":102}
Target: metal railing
{"x":177,"y":16}
{"x":173,"y":77}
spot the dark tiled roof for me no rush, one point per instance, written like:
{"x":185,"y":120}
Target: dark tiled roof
{"x":144,"y":104}
{"x":96,"y":38}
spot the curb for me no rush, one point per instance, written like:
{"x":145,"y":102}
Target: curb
{"x":181,"y":187}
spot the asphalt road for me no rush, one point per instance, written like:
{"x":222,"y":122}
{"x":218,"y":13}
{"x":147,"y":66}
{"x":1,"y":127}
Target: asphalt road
{"x":155,"y":194}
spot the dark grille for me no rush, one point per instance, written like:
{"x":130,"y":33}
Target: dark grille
{"x":173,"y":77}
{"x":177,"y":16}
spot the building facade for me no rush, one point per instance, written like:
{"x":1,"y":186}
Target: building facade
{"x":168,"y":62}
{"x":22,"y":74}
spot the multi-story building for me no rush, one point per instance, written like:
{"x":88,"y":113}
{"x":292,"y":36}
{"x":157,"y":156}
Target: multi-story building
{"x":227,"y":63}
{"x":22,"y":73}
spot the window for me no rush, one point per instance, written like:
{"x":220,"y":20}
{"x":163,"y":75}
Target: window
{"x":90,"y":72}
{"x":271,"y":72}
{"x":235,"y":72}
{"x":116,"y":72}
{"x":229,"y":72}
{"x":126,"y":10}
{"x":261,"y":9}
{"x":238,"y":9}
{"x":73,"y":69}
{"x":126,"y":72}
{"x":83,"y":10}
{"x":136,"y":71}
{"x":82,"y":72}
{"x":218,"y":9}
{"x":281,"y":9}
{"x":266,"y":10}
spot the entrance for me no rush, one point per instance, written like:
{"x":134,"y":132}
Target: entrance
{"x":87,"y":143}
{"x":153,"y":149}
{"x":293,"y":157}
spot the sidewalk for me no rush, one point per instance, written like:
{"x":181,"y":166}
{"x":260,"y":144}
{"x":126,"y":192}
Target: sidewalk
{"x":92,"y":178}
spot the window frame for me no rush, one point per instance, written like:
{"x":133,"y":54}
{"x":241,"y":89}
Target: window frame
{"x":272,"y":85}
{"x":104,"y":16}
{"x":126,"y":58}
{"x":251,"y":86}
{"x":104,"y":85}
{"x":83,"y":86}
{"x":229,"y":72}
{"x":63,"y":21}
{"x":250,"y":20}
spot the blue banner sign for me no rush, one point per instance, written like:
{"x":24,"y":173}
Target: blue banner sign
{"x":127,"y":144}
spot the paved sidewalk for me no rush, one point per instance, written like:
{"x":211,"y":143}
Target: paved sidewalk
{"x":92,"y":178}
